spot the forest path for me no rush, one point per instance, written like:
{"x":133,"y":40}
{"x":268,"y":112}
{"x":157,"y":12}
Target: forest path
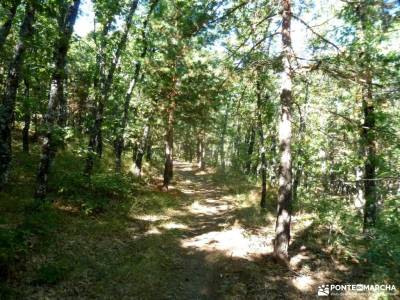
{"x":226,"y":245}
{"x":218,"y":245}
{"x":204,"y":238}
{"x":205,"y":218}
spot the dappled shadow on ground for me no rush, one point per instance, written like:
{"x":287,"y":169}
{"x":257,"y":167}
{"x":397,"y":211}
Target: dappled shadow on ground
{"x":202,"y":245}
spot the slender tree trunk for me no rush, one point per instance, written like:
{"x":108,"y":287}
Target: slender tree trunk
{"x":202,"y":163}
{"x":96,"y":136}
{"x":57,"y":98}
{"x":198,"y":149}
{"x":27,"y":121}
{"x":190,"y":148}
{"x":282,"y":230}
{"x":368,"y":137}
{"x":149,"y":147}
{"x":99,"y":80}
{"x":6,"y":26}
{"x":250,"y":149}
{"x":118,"y":148}
{"x":169,"y":145}
{"x":35,"y":135}
{"x":222,"y":141}
{"x":7,"y":107}
{"x":119,"y":141}
{"x":263,"y":169}
{"x":141,"y":150}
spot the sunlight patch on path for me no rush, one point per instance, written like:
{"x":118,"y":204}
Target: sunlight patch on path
{"x":199,"y":208}
{"x":234,"y":242}
{"x":152,"y":218}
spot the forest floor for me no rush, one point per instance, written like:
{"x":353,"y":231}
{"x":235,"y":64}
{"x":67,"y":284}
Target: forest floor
{"x":202,"y":239}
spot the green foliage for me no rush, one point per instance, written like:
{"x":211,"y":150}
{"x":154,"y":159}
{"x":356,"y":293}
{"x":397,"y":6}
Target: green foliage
{"x":51,"y":273}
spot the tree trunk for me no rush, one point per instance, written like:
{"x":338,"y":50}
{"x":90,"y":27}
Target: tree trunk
{"x":11,"y":86}
{"x":57,"y":98}
{"x":27,"y":121}
{"x":203,"y":155}
{"x":282,"y":229}
{"x":263,"y":169}
{"x":96,"y":139}
{"x":118,"y":148}
{"x":222,"y":141}
{"x":35,"y":135}
{"x":198,"y":149}
{"x":149,"y":150}
{"x":141,"y":150}
{"x":250,"y":149}
{"x":368,"y":137}
{"x":169,"y":146}
{"x":119,"y":141}
{"x":6,"y":27}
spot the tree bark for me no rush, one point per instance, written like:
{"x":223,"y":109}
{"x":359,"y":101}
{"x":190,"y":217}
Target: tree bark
{"x":203,"y":154}
{"x":198,"y":149}
{"x":282,"y":229}
{"x":95,"y":138}
{"x":368,"y":137}
{"x":141,"y":150}
{"x":250,"y":149}
{"x":6,"y":26}
{"x":119,"y":141}
{"x":57,"y":99}
{"x":169,"y":145}
{"x":222,"y":141}
{"x":263,"y":169}
{"x":11,"y":86}
{"x":27,"y":121}
{"x":149,"y":150}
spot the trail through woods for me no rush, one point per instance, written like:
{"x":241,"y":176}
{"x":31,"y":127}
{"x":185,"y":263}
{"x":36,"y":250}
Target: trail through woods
{"x":202,"y":244}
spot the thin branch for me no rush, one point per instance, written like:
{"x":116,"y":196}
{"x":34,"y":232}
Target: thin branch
{"x":316,"y":33}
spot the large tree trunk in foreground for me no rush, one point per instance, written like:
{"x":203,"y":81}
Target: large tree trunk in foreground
{"x":6,"y":27}
{"x":282,"y":229}
{"x":169,"y":146}
{"x":7,"y":107}
{"x":55,"y":110}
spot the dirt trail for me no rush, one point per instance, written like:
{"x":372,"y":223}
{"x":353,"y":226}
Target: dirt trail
{"x":207,"y":214}
{"x":218,"y":250}
{"x":226,"y":256}
{"x":195,"y":241}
